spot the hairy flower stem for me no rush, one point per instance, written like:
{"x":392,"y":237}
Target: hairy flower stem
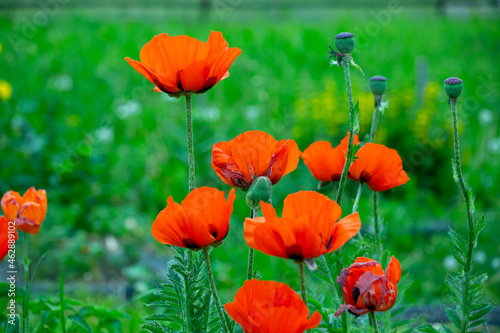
{"x":214,"y":290}
{"x":376,"y":116}
{"x":343,"y":178}
{"x":373,"y":133}
{"x":356,"y":204}
{"x":190,"y":144}
{"x":358,"y":197}
{"x":376,"y":223}
{"x":373,"y":321}
{"x":303,"y":291}
{"x":26,"y":313}
{"x":460,"y":179}
{"x":189,"y":122}
{"x":253,"y":213}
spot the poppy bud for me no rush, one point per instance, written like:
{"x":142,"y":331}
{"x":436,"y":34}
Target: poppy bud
{"x":378,"y":84}
{"x":261,"y":190}
{"x":453,"y":87}
{"x":344,"y":42}
{"x":366,"y":287}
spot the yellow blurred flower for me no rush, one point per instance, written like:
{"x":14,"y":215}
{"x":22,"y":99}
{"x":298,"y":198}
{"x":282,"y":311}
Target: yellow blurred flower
{"x":5,"y":90}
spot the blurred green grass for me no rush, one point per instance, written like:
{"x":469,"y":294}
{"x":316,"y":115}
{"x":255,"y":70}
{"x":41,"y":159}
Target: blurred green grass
{"x":85,"y":126}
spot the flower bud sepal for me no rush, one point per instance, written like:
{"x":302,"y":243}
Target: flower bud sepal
{"x":260,"y":190}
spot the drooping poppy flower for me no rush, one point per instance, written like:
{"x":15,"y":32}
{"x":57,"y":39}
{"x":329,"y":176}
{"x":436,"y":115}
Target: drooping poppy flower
{"x":201,"y":219}
{"x":4,"y":237}
{"x":270,"y":307}
{"x":28,"y":211}
{"x":179,"y":65}
{"x":254,"y":154}
{"x":325,"y":162}
{"x":366,"y":288}
{"x":379,"y":167}
{"x":309,"y":227}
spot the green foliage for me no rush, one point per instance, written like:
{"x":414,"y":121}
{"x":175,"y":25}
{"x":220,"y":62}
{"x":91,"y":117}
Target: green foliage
{"x":468,"y":310}
{"x":78,"y":317}
{"x":185,"y":298}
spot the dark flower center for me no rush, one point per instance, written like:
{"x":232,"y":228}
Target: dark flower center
{"x":294,"y":252}
{"x":190,"y":243}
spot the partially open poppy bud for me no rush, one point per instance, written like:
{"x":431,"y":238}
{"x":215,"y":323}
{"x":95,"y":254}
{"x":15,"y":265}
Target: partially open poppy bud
{"x":366,"y":287}
{"x":260,"y":190}
{"x":344,"y":42}
{"x":453,"y":87}
{"x":378,"y":84}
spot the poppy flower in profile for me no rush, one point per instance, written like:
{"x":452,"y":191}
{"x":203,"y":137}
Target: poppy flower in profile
{"x":366,"y":288}
{"x":4,"y":237}
{"x":309,"y":228}
{"x":254,"y":154}
{"x":270,"y":307}
{"x":179,"y":65}
{"x":27,"y":211}
{"x":325,"y":162}
{"x":201,"y":219}
{"x":379,"y":167}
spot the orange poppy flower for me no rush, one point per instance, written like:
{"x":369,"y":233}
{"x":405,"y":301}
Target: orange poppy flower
{"x":254,"y":154}
{"x":200,"y":220}
{"x":379,"y":167}
{"x":366,"y":288}
{"x":325,"y":162}
{"x":28,"y":211}
{"x":179,"y":65}
{"x":4,"y":237}
{"x":308,"y":228}
{"x":270,"y":307}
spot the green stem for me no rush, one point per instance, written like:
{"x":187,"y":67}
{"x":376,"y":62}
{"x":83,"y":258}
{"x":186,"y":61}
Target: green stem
{"x":343,"y":178}
{"x":358,"y":197}
{"x":191,"y":164}
{"x":373,"y":321}
{"x":214,"y":290}
{"x":356,"y":204}
{"x":61,"y":298}
{"x":343,"y":317}
{"x":187,"y":309}
{"x":303,"y":291}
{"x":251,"y":251}
{"x":189,"y":122}
{"x":375,"y":117}
{"x":376,"y":223}
{"x":463,"y":187}
{"x":26,"y":313}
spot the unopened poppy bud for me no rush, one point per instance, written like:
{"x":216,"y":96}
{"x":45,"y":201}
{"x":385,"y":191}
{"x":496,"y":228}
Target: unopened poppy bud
{"x":453,"y":87}
{"x":344,"y":42}
{"x":261,"y":190}
{"x":378,"y":84}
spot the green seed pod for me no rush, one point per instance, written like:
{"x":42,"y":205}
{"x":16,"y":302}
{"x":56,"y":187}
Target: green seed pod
{"x":453,"y":87}
{"x":378,"y":84}
{"x":344,"y":42}
{"x":260,"y":190}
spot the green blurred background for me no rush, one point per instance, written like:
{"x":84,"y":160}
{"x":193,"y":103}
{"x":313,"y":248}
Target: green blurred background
{"x":78,"y":121}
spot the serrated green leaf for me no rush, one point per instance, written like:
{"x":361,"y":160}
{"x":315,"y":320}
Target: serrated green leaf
{"x":454,"y":319}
